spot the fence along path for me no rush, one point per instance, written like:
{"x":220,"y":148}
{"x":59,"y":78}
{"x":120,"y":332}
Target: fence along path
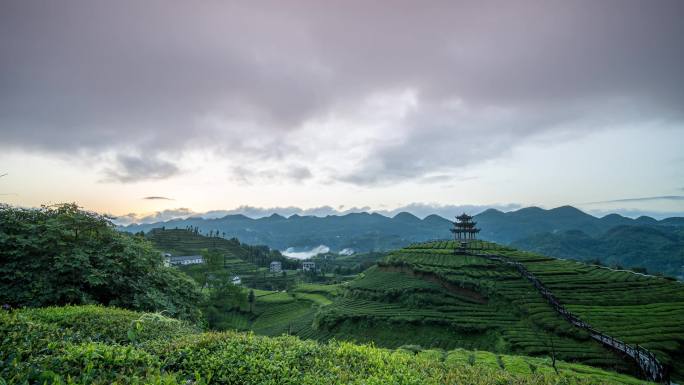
{"x":652,"y":369}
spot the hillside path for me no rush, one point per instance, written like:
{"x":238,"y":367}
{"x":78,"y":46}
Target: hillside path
{"x":652,"y":369}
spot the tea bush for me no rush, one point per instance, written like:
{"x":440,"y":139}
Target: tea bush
{"x":42,"y":346}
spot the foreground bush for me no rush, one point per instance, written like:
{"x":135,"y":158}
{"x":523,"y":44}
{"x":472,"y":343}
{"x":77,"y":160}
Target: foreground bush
{"x":63,"y":255}
{"x":77,"y":345}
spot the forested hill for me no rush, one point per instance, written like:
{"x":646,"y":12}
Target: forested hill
{"x":653,"y":248}
{"x":530,"y":228}
{"x":511,"y":226}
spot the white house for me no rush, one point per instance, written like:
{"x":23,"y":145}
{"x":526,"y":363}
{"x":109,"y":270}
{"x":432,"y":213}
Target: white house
{"x":308,"y":266}
{"x":237,"y":281}
{"x":276,"y":267}
{"x":183,"y":260}
{"x":167,"y":259}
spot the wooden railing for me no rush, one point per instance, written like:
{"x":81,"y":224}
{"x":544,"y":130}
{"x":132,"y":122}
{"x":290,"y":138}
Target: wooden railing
{"x":651,"y":368}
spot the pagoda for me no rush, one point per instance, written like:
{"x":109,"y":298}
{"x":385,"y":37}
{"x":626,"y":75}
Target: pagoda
{"x":464,"y":230}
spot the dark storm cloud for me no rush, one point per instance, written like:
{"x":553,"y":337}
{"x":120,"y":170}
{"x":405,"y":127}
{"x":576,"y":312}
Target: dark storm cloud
{"x":170,"y":76}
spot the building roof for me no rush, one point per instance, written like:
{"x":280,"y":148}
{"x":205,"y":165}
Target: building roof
{"x":180,"y":258}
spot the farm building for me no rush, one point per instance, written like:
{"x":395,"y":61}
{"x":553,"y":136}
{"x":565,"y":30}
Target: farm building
{"x":167,"y":259}
{"x":309,"y":266}
{"x":183,"y":260}
{"x":276,"y":267}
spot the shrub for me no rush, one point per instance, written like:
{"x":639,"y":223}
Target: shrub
{"x":62,"y":255}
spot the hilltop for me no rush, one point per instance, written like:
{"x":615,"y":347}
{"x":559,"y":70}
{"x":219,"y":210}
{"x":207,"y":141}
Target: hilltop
{"x":98,"y":345}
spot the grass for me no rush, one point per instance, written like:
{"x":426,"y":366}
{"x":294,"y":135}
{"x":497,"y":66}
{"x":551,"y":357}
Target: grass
{"x":316,"y":298}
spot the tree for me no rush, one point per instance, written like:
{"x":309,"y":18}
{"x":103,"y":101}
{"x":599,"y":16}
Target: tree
{"x":250,"y":299}
{"x":58,"y":255}
{"x":224,"y":297}
{"x":212,"y":269}
{"x":553,"y":355}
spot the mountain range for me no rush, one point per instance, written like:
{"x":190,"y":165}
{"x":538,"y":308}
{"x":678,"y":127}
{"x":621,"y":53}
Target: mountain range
{"x":565,"y":232}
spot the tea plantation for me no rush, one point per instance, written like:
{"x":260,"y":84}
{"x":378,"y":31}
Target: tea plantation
{"x":425,"y":295}
{"x":99,"y":345}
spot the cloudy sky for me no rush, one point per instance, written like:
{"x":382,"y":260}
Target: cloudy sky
{"x":162,"y":107}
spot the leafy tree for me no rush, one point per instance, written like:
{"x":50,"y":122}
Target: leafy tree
{"x":61,"y":254}
{"x":212,"y":268}
{"x":224,"y":297}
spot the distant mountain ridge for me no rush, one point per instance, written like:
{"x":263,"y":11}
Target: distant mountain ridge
{"x":507,"y":227}
{"x":373,"y":231}
{"x":358,"y":231}
{"x":655,"y":248}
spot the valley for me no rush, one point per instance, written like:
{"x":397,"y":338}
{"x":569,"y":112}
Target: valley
{"x":425,"y":296}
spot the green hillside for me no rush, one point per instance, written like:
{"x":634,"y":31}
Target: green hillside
{"x":654,"y":248}
{"x":426,"y":295}
{"x":98,"y":345}
{"x":614,"y":239}
{"x":189,"y":242}
{"x":248,"y":262}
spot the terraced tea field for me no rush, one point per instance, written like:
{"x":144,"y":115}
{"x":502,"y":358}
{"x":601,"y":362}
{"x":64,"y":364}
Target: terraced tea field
{"x":461,"y":316}
{"x":187,"y":242}
{"x":425,"y":291}
{"x":636,"y":308}
{"x":277,"y":312}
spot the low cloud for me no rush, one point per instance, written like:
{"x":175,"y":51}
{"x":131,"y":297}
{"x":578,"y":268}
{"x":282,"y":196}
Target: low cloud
{"x":260,"y":212}
{"x":153,"y":198}
{"x":420,"y":210}
{"x":643,"y":199}
{"x":158,"y":216}
{"x":130,"y":169}
{"x":635,"y":213}
{"x":305,"y":254}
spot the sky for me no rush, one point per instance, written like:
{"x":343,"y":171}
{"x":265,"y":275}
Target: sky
{"x":158,"y":109}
